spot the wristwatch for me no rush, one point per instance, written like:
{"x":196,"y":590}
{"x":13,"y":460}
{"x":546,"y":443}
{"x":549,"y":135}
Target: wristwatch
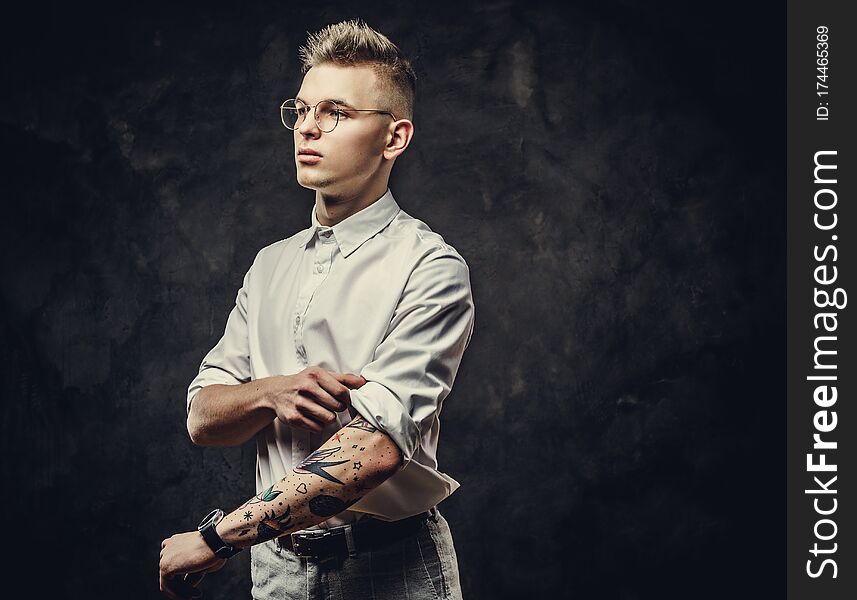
{"x":207,"y":528}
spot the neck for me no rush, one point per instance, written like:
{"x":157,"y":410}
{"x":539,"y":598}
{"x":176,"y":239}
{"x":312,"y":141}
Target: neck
{"x":331,"y":209}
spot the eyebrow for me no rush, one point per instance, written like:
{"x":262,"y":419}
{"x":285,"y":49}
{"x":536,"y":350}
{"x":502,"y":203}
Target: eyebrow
{"x":337,"y":100}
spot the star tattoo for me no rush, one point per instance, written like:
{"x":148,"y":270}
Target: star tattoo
{"x":357,"y":465}
{"x":248,"y":515}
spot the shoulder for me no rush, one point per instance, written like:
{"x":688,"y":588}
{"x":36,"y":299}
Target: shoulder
{"x":431,"y":262}
{"x":422,"y":244}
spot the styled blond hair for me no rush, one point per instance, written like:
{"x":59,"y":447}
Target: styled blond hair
{"x":354,"y":43}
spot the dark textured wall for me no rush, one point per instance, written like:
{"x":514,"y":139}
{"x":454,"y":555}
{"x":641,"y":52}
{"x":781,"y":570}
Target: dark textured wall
{"x":613,"y":174}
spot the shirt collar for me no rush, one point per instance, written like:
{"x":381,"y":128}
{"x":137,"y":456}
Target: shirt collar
{"x":351,"y":232}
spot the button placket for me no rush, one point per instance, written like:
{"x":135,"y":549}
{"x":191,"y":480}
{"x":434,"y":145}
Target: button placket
{"x":301,"y":438}
{"x":323,"y":259}
{"x":298,"y":319}
{"x":320,"y":267}
{"x":299,"y":348}
{"x":324,"y":253}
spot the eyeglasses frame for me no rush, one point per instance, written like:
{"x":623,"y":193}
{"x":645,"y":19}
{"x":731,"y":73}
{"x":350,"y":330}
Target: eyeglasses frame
{"x":338,"y":110}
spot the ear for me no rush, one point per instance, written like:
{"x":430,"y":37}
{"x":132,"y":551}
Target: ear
{"x":399,"y":135}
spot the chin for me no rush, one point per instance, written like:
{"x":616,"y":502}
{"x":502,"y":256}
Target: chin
{"x":305,"y":179}
{"x":312,"y":182}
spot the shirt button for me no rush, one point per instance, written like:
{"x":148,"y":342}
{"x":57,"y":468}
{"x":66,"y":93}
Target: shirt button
{"x":319,"y":268}
{"x":298,"y":320}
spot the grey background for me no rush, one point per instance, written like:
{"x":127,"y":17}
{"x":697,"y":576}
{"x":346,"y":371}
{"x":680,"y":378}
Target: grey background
{"x":613,"y":174}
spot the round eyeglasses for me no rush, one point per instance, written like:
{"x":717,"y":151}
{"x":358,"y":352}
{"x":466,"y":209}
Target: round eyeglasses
{"x":327,"y":113}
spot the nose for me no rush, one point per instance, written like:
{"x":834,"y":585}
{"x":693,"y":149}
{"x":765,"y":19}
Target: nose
{"x":309,"y":126}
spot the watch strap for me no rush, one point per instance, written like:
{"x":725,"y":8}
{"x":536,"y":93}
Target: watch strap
{"x":220,"y":548}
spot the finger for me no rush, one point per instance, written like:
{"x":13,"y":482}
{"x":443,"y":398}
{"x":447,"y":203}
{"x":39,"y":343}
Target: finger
{"x":193,"y":579}
{"x":303,"y":422}
{"x":339,"y":386}
{"x":179,"y":588}
{"x":216,"y":566}
{"x":330,"y":393}
{"x":351,"y":380}
{"x":310,"y":408}
{"x":167,"y":589}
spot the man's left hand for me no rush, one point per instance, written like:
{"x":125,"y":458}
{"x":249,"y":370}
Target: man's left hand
{"x":186,"y":554}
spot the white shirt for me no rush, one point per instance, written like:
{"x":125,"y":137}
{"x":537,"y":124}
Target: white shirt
{"x":378,"y":294}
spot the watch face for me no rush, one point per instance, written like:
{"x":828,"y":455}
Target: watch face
{"x":213,"y":517}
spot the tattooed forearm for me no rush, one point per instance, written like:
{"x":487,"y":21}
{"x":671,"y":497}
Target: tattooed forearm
{"x":357,"y":459}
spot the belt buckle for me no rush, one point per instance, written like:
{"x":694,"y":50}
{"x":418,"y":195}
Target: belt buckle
{"x":304,"y":536}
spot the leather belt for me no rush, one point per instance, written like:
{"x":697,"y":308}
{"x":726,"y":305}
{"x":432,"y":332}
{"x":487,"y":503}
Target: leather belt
{"x":367,"y":534}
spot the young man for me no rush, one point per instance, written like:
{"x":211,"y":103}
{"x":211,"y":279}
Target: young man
{"x":344,"y":341}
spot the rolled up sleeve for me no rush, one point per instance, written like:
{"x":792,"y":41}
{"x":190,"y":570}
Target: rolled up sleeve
{"x":229,"y":361}
{"x":414,"y":366}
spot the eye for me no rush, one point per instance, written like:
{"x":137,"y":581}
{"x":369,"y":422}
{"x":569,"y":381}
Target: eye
{"x":340,"y":113}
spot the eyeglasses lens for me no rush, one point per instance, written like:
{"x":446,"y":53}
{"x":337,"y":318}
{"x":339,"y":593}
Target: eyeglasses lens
{"x":294,"y":112}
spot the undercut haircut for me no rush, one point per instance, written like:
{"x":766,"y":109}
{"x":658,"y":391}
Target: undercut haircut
{"x":354,"y":43}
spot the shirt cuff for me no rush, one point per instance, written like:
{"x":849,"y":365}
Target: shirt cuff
{"x":382,"y":409}
{"x":209,"y":375}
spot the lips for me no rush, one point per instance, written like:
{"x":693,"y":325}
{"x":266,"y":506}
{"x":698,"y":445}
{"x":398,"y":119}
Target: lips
{"x":308,"y":156}
{"x":309,"y":159}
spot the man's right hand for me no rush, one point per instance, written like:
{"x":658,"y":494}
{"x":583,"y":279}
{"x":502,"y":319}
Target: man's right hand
{"x":310,"y":399}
